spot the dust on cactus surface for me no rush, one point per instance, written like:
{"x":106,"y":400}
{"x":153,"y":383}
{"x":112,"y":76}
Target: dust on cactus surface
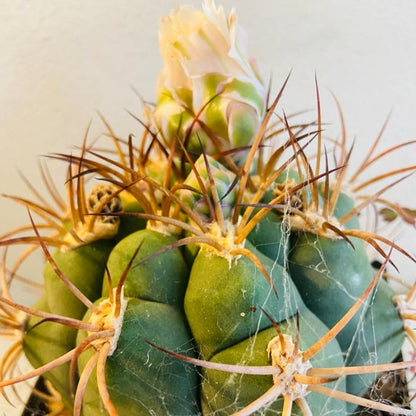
{"x":220,"y":262}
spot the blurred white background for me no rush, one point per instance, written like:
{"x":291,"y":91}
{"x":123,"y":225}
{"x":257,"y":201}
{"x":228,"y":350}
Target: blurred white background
{"x":62,"y":61}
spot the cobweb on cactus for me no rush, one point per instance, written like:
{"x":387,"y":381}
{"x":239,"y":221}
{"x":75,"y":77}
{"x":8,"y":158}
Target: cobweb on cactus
{"x":287,"y":239}
{"x":312,"y":377}
{"x":120,"y":173}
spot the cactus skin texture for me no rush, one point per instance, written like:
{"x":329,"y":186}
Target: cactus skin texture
{"x":84,"y":267}
{"x":140,"y":377}
{"x":205,"y":275}
{"x":162,"y":279}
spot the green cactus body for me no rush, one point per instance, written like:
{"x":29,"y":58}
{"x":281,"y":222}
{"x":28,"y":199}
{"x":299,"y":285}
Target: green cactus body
{"x":330,"y":276}
{"x":344,"y":204}
{"x":44,"y":342}
{"x":270,"y":237}
{"x":189,"y":252}
{"x":142,"y":380}
{"x":84,"y":266}
{"x":221,"y":295}
{"x":129,"y":224}
{"x":160,"y":279}
{"x":223,"y":393}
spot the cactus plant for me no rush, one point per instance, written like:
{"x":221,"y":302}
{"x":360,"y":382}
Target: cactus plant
{"x":204,"y":275}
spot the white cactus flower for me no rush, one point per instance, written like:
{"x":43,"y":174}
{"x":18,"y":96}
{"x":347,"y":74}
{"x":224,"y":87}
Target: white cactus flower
{"x":207,"y":75}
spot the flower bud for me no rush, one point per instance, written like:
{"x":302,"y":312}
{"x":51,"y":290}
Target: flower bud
{"x":209,"y":92}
